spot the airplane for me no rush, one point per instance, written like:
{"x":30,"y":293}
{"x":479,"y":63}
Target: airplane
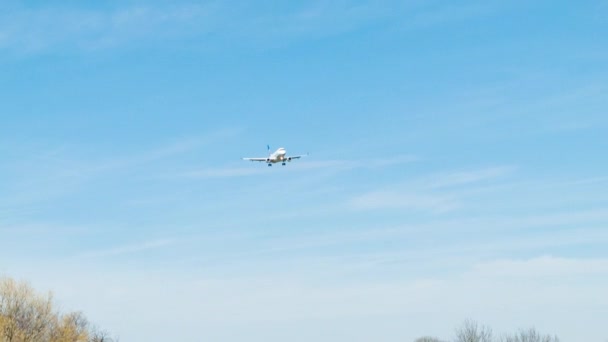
{"x":278,"y":156}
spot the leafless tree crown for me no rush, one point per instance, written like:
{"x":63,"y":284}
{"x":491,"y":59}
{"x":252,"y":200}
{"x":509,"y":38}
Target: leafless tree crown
{"x":470,"y":331}
{"x":427,"y":339}
{"x":26,"y":316}
{"x":529,"y":335}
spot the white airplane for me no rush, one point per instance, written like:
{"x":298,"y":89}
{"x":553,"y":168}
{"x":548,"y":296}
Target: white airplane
{"x":278,"y":156}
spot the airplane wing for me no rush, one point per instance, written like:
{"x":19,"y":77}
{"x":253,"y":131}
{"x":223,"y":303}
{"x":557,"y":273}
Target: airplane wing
{"x":295,"y":157}
{"x":256,"y":159}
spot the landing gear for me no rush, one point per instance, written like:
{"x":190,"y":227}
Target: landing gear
{"x":269,"y":164}
{"x":283,"y":164}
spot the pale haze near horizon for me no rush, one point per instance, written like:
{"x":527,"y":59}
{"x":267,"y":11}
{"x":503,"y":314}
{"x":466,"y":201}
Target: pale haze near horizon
{"x":457,"y":166}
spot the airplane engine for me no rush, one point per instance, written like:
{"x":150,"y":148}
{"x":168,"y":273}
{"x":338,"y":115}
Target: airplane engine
{"x":268,"y":160}
{"x":289,"y":159}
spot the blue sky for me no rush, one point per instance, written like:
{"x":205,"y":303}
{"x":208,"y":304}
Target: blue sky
{"x":457,"y":166}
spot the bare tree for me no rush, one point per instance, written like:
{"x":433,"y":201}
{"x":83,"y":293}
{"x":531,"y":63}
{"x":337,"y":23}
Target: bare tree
{"x":427,"y":339}
{"x":529,"y":335}
{"x":470,"y":331}
{"x":101,"y":336}
{"x":72,"y":327}
{"x":26,"y":316}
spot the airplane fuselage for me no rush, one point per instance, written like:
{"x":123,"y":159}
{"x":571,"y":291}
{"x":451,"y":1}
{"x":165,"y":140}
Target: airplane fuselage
{"x":278,"y":156}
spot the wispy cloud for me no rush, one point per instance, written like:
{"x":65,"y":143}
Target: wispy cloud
{"x":220,"y":172}
{"x":303,"y":165}
{"x":130,"y":249}
{"x":469,"y":177}
{"x":542,"y":267}
{"x":397,"y":200}
{"x":43,"y":28}
{"x":363,"y":163}
{"x":38,"y":29}
{"x":437,"y":193}
{"x":47,"y":172}
{"x":439,"y":15}
{"x":417,"y":245}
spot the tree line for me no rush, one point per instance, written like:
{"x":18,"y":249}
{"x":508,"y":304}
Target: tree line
{"x":27,"y":316}
{"x":471,"y":331}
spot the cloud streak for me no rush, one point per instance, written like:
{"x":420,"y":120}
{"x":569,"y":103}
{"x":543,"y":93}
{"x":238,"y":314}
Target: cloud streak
{"x":469,"y":177}
{"x":134,"y":248}
{"x":303,"y":165}
{"x":44,"y":28}
{"x":438,"y":193}
{"x":412,"y":201}
{"x":544,"y":266}
{"x":45,"y":173}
